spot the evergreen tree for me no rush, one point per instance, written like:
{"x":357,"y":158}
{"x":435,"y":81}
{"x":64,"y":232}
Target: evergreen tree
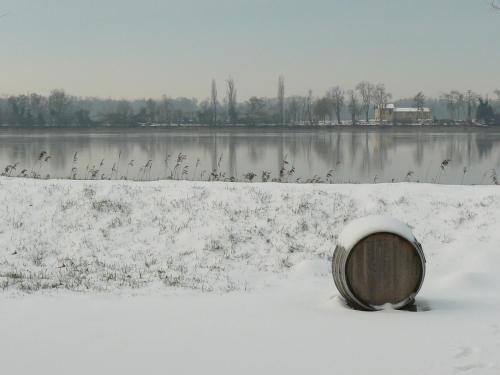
{"x":485,"y":113}
{"x":419,"y":101}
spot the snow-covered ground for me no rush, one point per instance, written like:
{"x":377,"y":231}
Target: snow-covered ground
{"x":189,"y":277}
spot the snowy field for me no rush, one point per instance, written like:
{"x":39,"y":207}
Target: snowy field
{"x":187,"y":277}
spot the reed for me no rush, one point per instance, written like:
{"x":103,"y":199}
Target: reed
{"x":443,"y":166}
{"x":464,"y":170}
{"x":182,"y":170}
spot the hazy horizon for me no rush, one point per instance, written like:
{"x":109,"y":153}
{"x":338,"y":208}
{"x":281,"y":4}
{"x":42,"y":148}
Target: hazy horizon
{"x":123,"y":49}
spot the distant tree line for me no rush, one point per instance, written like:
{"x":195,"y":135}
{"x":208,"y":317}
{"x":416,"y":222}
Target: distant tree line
{"x":337,"y":105}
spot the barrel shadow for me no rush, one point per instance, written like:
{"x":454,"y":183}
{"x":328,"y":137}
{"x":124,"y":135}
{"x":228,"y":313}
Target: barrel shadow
{"x":416,"y":306}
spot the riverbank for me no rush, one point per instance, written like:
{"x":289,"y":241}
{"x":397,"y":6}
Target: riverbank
{"x":362,"y":126}
{"x":124,"y":276}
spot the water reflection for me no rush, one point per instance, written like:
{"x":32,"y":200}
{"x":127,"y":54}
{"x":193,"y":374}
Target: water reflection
{"x":358,"y":155}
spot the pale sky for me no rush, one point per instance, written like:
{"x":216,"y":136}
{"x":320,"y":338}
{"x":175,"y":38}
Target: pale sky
{"x":147,"y":48}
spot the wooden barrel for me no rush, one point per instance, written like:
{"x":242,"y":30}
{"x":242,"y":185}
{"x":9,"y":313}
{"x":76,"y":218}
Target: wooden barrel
{"x":377,"y":262}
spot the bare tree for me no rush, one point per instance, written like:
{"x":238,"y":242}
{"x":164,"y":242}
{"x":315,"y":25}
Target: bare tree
{"x":303,"y":109}
{"x":322,"y":108}
{"x":461,"y":105}
{"x":455,"y":103}
{"x":353,"y":105}
{"x":308,"y":107}
{"x":151,"y":110}
{"x":213,"y":102}
{"x":449,"y":100}
{"x":366,"y":89}
{"x":59,"y":104}
{"x":471,"y":101}
{"x":255,"y":111}
{"x":124,"y":110}
{"x":165,"y":110}
{"x":293,"y":111}
{"x":337,"y":96}
{"x":381,"y":98}
{"x":281,"y":99}
{"x":231,"y":101}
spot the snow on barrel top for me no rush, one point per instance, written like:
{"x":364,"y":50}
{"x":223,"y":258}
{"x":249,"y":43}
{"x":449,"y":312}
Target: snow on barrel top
{"x":358,"y":229}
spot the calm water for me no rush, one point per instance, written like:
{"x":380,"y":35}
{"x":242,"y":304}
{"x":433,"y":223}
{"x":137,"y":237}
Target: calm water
{"x":360,"y":155}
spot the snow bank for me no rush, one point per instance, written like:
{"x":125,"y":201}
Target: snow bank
{"x":116,"y":235}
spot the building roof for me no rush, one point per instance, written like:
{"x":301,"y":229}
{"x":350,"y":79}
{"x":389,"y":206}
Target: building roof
{"x":411,"y":110}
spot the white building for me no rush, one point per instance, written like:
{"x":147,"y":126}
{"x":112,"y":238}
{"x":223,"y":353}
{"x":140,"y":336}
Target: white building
{"x":392,"y":114}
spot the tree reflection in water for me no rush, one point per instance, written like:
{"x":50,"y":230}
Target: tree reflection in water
{"x":354,"y":155}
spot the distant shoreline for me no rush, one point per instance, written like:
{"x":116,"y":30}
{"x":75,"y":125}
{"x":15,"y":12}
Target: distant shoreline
{"x":259,"y":127}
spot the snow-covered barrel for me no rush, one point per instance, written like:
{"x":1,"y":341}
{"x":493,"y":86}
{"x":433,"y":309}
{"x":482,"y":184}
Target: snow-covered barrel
{"x":378,"y":261}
